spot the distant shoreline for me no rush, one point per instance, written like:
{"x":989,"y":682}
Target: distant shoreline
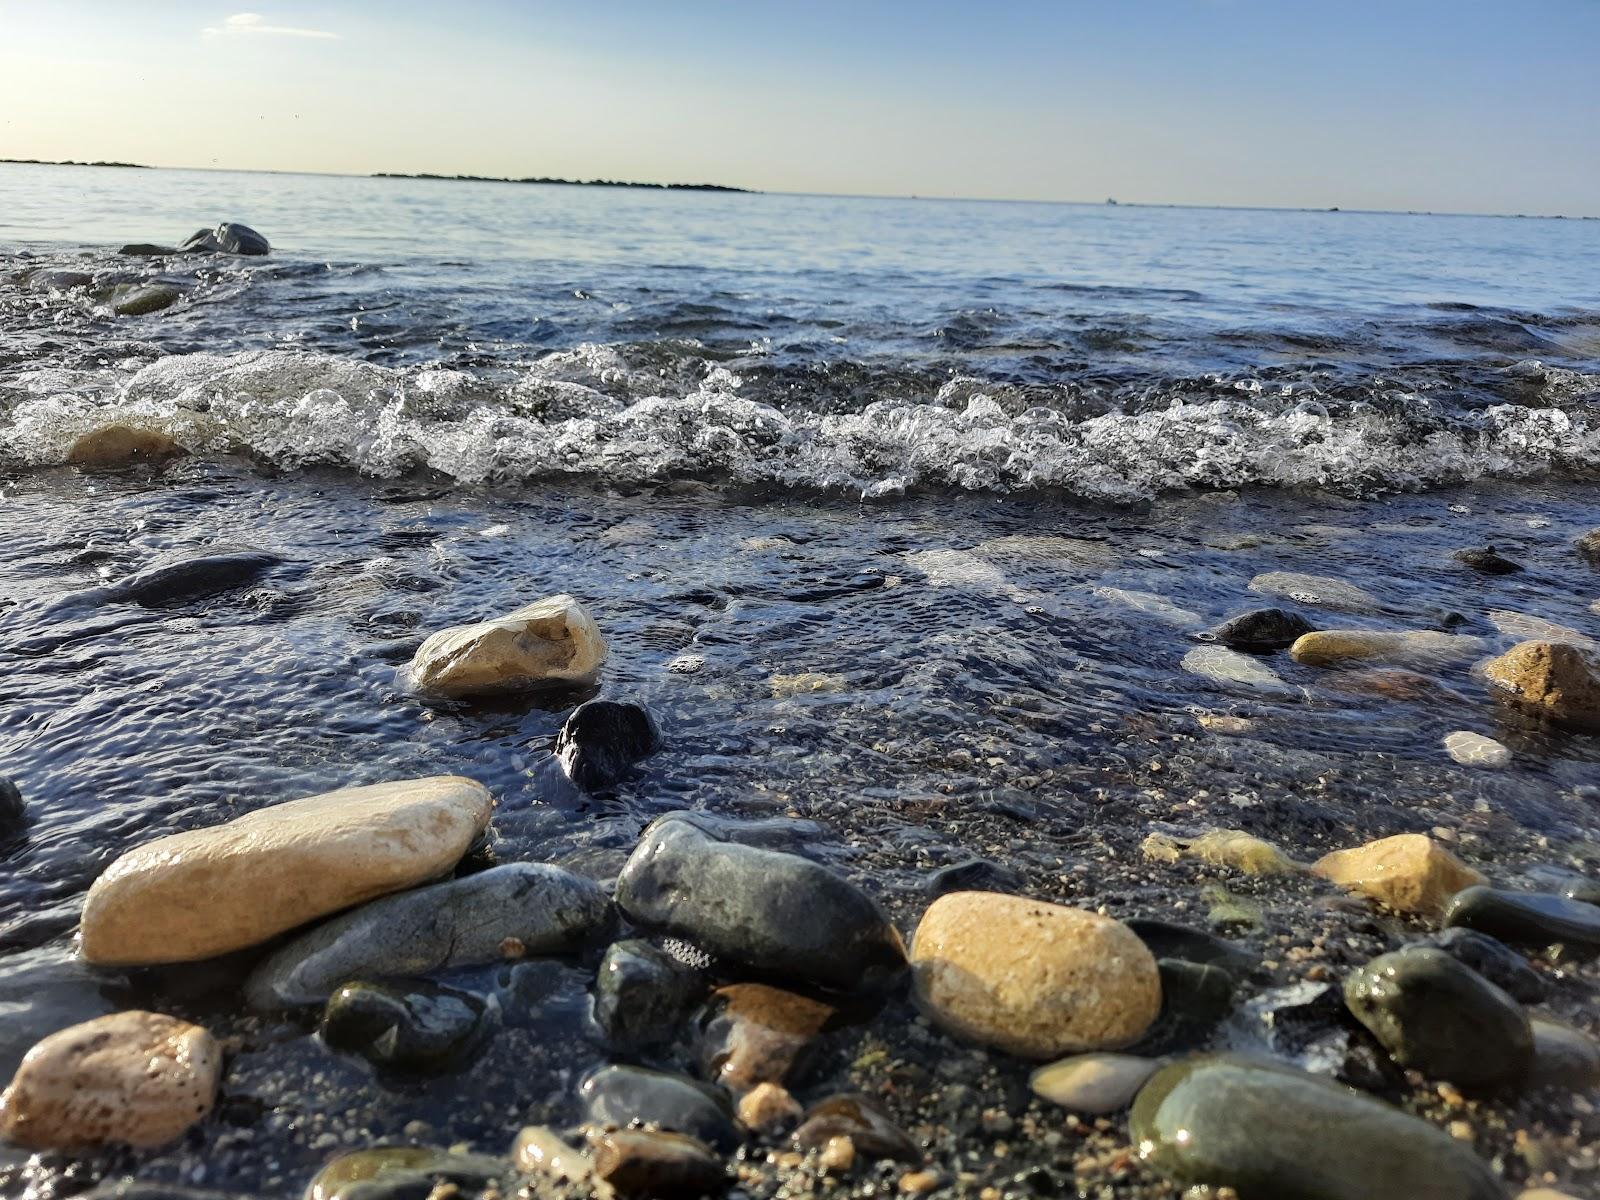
{"x":546,"y":179}
{"x":67,"y":162}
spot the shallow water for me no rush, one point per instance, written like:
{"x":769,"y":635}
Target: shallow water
{"x":672,"y":407}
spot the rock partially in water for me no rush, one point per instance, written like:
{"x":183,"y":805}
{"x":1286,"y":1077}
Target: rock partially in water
{"x":13,"y":812}
{"x":1589,"y":545}
{"x":1093,"y":1083}
{"x":541,"y":1153}
{"x":1563,"y":1057}
{"x":230,"y":237}
{"x":131,"y":1078}
{"x":972,"y":875}
{"x":1169,"y":940}
{"x":1439,"y":1017}
{"x":602,"y":739}
{"x":621,"y":1095}
{"x":410,"y":1173}
{"x":1525,"y":918}
{"x":142,"y":301}
{"x":1221,"y":665}
{"x":1222,"y":848}
{"x":1475,"y":750}
{"x":206,"y":892}
{"x":1319,"y":591}
{"x":119,"y":445}
{"x":1494,"y":960}
{"x":1486,"y":560}
{"x":1424,"y":647}
{"x":416,"y":1026}
{"x":1271,"y":1131}
{"x":1034,"y":979}
{"x":772,"y":912}
{"x":1555,"y":679}
{"x":1410,"y":872}
{"x":550,"y":643}
{"x":752,"y":1034}
{"x":147,"y":250}
{"x":662,"y":1166}
{"x":1261,"y":629}
{"x":1526,"y":627}
{"x":642,"y":994}
{"x":869,"y":1129}
{"x":1195,"y":999}
{"x":1580,"y":888}
{"x":504,"y":912}
{"x":190,"y":576}
{"x":768,"y":1109}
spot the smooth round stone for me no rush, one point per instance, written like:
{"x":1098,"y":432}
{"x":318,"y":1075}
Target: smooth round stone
{"x":1487,"y":560}
{"x":1563,"y":1056}
{"x":1169,"y":940}
{"x":602,"y":739}
{"x":972,"y":875}
{"x":1195,"y":998}
{"x":1525,"y":918}
{"x":550,"y":643}
{"x":752,"y":1034}
{"x":119,"y":445}
{"x":186,"y":576}
{"x":406,"y":1173}
{"x":141,"y":301}
{"x":1474,"y":750}
{"x":206,"y":892}
{"x":1034,"y":979}
{"x":1410,"y":872}
{"x":1337,"y":647}
{"x":416,"y":1026}
{"x":772,"y":912}
{"x":1093,"y":1083}
{"x":1319,"y":590}
{"x":131,"y":1078}
{"x":642,"y":994}
{"x":668,"y":1166}
{"x":1261,"y":629}
{"x":1221,"y":665}
{"x":1273,"y":1132}
{"x":1444,"y":1019}
{"x":870,"y":1130}
{"x":1555,"y":679}
{"x":1494,"y":960}
{"x":620,"y":1095}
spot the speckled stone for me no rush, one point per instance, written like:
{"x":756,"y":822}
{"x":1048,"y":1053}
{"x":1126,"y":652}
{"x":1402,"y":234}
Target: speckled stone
{"x":1555,"y":679}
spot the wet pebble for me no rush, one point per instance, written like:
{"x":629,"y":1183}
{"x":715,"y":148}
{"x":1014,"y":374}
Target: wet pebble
{"x":869,"y":1130}
{"x":752,"y":1034}
{"x":1339,"y":647}
{"x":552,"y":642}
{"x":1475,"y":750}
{"x":416,"y":1026}
{"x":1221,"y":665}
{"x":1195,"y":999}
{"x":120,"y":445}
{"x":1093,"y":1083}
{"x":142,"y":301}
{"x":601,"y":741}
{"x":643,"y":995}
{"x":1525,"y":918}
{"x":1320,"y":591}
{"x":189,"y":576}
{"x":1261,"y":629}
{"x":1563,"y":1056}
{"x":1167,"y":939}
{"x":1555,"y":679}
{"x":1486,"y":560}
{"x":1494,"y":960}
{"x":620,"y":1095}
{"x":647,"y":1163}
{"x":408,"y":1173}
{"x":973,"y":875}
{"x":1409,"y":872}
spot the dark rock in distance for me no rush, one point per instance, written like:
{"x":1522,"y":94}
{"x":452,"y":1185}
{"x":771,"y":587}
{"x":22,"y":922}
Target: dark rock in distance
{"x":774,"y":913}
{"x":228,"y":238}
{"x":147,"y":249}
{"x":1487,"y":561}
{"x":1267,"y":1130}
{"x":872,"y":1130}
{"x":1442,"y":1018}
{"x":13,"y":812}
{"x":415,"y":1026}
{"x":1525,"y":918}
{"x":191,"y":576}
{"x":602,"y":739}
{"x":1260,"y":629}
{"x":973,"y":875}
{"x":642,"y":994}
{"x":1494,"y":960}
{"x":619,"y":1095}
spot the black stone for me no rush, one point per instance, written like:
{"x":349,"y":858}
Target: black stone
{"x":642,"y":994}
{"x":1195,"y":998}
{"x":621,"y":1095}
{"x":1487,"y":561}
{"x":147,"y":249}
{"x":416,"y":1026}
{"x":13,"y":812}
{"x":1525,"y":918}
{"x":774,"y":913}
{"x":602,"y":739}
{"x":1494,"y":960}
{"x":1169,"y":940}
{"x":1442,"y":1018}
{"x":228,"y":238}
{"x":1260,"y":629}
{"x":872,"y":1130}
{"x":973,"y":875}
{"x":192,"y":576}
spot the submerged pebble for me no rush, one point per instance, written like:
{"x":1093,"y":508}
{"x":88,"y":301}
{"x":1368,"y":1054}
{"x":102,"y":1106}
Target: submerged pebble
{"x":1475,"y":750}
{"x":619,"y":1095}
{"x":1320,"y":591}
{"x":1337,"y":647}
{"x":1222,"y":665}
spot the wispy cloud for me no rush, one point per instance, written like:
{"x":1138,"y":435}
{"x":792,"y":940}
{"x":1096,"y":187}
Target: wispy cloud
{"x":255,"y":25}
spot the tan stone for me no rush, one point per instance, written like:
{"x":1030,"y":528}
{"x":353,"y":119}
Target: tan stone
{"x":768,"y":1108}
{"x":838,"y":1155}
{"x":758,"y":1034}
{"x":540,"y":1152}
{"x":1410,"y":872}
{"x":1093,"y":1083}
{"x":658,"y":1165}
{"x":1334,"y":647}
{"x":1554,"y":678}
{"x":117,"y":445}
{"x":209,"y":891}
{"x":1544,"y":1194}
{"x":1038,"y":980}
{"x":550,"y":643}
{"x":1589,"y":544}
{"x":131,"y":1078}
{"x":805,"y":683}
{"x":1222,"y":848}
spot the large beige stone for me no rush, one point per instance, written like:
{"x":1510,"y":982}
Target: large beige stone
{"x":116,"y":445}
{"x":1555,"y":678}
{"x":1038,"y":980}
{"x":549,"y":643}
{"x":1410,"y":872}
{"x":1222,"y":848}
{"x":130,"y":1078}
{"x":1335,"y":647}
{"x":208,"y":891}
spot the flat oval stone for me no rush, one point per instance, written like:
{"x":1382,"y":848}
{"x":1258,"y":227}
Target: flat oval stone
{"x":1319,"y":590}
{"x":1271,"y":1131}
{"x":1442,"y":1018}
{"x":1335,"y":647}
{"x":1093,"y":1083}
{"x":1221,"y":665}
{"x":620,"y":1095}
{"x":206,"y":892}
{"x":406,"y":1172}
{"x":1475,"y":750}
{"x":1525,"y":918}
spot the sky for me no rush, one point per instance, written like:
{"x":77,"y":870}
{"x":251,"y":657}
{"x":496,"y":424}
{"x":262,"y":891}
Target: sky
{"x":1445,"y":105}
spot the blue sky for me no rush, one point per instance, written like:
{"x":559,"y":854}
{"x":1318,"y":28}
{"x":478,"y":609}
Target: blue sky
{"x":1438,"y":104}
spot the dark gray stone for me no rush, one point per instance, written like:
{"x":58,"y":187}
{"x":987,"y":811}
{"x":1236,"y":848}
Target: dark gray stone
{"x":1487,"y":561}
{"x":191,"y":576}
{"x":642,"y":994}
{"x":973,"y":875}
{"x":147,"y":249}
{"x":1195,"y":998}
{"x":602,"y":740}
{"x":1270,"y":1131}
{"x":771,"y":912}
{"x":621,"y":1095}
{"x":1442,"y":1018}
{"x":1260,"y":629}
{"x":869,"y":1128}
{"x":142,"y":301}
{"x":13,"y":812}
{"x":228,"y":238}
{"x":505,"y":912}
{"x":1167,"y":939}
{"x":1579,"y":888}
{"x":1494,"y":960}
{"x":1525,"y":918}
{"x":415,"y":1026}
{"x":1563,"y":1057}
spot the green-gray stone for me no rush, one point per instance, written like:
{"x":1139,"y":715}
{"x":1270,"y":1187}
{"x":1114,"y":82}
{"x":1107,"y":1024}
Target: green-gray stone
{"x":141,"y":301}
{"x":1274,"y":1133}
{"x":1563,"y":1057}
{"x":1195,"y":997}
{"x":408,"y":1027}
{"x":406,"y":1173}
{"x":1525,"y":918}
{"x":1432,"y":1013}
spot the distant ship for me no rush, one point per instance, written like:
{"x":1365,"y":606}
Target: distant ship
{"x":1111,"y":202}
